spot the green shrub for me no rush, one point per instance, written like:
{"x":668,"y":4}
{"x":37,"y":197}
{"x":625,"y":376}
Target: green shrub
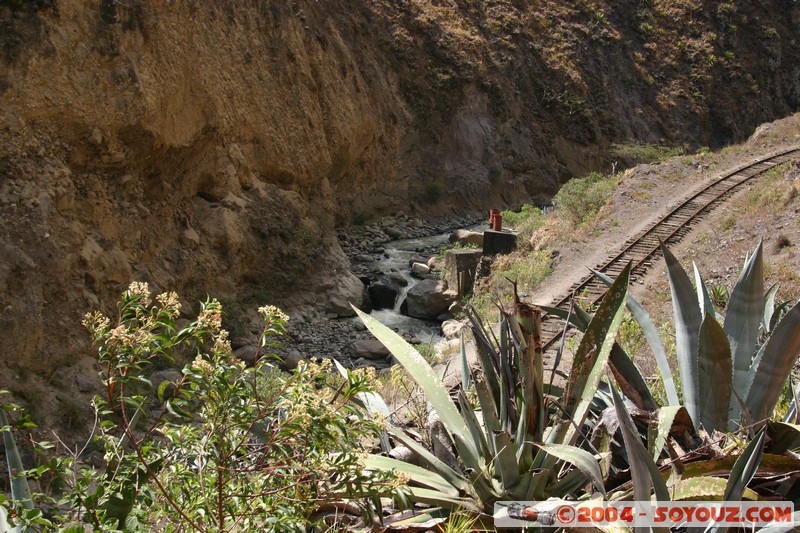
{"x":228,"y":448}
{"x":526,"y":221}
{"x":644,"y":153}
{"x":433,"y":191}
{"x":428,"y":351}
{"x":528,"y":272}
{"x":495,"y":173}
{"x":580,"y":199}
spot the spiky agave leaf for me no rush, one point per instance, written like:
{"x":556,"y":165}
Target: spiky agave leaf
{"x":743,"y":471}
{"x":505,"y":461}
{"x":435,"y":391}
{"x":772,"y":366}
{"x":474,"y":426}
{"x":592,"y":355}
{"x":585,"y":462}
{"x":653,"y":339}
{"x":660,"y":431}
{"x":714,"y":374}
{"x":630,"y":379}
{"x":703,"y":296}
{"x":417,"y":474}
{"x":745,"y":467}
{"x":770,"y":464}
{"x":644,"y":472}
{"x":687,"y":330}
{"x":466,"y":376}
{"x":530,"y":400}
{"x":769,"y":308}
{"x":743,"y":317}
{"x":704,"y":488}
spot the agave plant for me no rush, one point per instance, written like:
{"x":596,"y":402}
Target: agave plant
{"x":736,"y":369}
{"x":707,"y":345}
{"x":647,"y":479}
{"x":521,"y":444}
{"x":732,"y":367}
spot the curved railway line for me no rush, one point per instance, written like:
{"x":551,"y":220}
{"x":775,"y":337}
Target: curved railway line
{"x":643,"y":249}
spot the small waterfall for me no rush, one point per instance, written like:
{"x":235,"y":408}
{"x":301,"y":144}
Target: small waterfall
{"x":397,"y":256}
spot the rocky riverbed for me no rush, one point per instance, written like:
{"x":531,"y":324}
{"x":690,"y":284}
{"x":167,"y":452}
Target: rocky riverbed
{"x":314,"y":334}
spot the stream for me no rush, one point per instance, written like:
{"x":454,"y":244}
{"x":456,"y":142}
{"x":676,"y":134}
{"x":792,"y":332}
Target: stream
{"x":332,"y":337}
{"x":397,"y":255}
{"x":396,"y":258}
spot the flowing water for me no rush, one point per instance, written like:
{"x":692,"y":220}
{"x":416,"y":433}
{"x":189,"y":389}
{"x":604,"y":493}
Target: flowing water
{"x":396,"y":257}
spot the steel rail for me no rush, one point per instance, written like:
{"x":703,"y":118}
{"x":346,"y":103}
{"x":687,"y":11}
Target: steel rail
{"x":644,"y":249}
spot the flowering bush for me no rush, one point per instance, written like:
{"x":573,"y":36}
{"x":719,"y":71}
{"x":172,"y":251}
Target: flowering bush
{"x":224,"y":447}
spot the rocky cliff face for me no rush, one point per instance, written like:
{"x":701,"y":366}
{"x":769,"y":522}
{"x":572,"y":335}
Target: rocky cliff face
{"x":212,"y":147}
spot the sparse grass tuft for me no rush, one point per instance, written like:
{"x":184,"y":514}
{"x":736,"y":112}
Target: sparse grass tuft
{"x":771,"y":191}
{"x":645,"y":153}
{"x":727,"y":223}
{"x":782,"y":242}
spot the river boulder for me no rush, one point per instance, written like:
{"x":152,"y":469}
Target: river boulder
{"x":398,"y":278}
{"x":465,"y":236}
{"x":427,"y":299}
{"x":383,"y":293}
{"x":348,"y":290}
{"x":371,"y":349}
{"x":420,"y":269}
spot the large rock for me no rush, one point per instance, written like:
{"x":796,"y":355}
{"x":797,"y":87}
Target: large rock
{"x":465,"y":236}
{"x":428,"y":299}
{"x":291,"y":361}
{"x":434,"y":263}
{"x":348,"y":290}
{"x":393,"y":233}
{"x":248,"y":354}
{"x":420,"y":269}
{"x":383,"y":293}
{"x":369,"y":349}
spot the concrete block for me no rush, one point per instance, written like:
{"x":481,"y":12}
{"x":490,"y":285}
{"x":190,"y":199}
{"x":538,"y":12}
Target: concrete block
{"x":460,"y":266}
{"x":499,"y":242}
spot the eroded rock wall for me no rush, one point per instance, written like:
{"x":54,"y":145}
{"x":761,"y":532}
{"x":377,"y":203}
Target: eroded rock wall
{"x":212,"y":147}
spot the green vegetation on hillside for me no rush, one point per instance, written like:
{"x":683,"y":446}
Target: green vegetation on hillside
{"x":218,"y":447}
{"x":527,"y":220}
{"x":580,"y":199}
{"x":634,"y":154}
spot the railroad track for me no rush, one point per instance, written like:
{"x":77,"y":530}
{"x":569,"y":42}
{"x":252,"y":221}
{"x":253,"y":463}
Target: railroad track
{"x":643,"y":249}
